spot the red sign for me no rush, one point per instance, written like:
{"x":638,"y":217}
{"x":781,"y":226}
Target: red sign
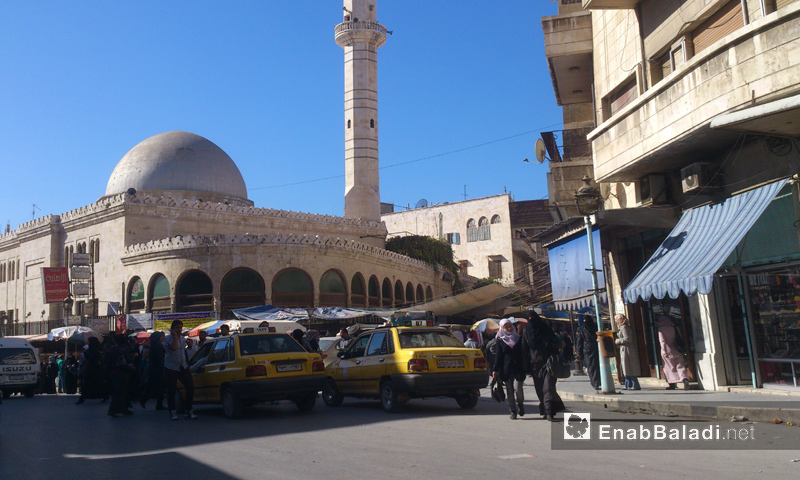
{"x":122,"y":324}
{"x":55,"y":284}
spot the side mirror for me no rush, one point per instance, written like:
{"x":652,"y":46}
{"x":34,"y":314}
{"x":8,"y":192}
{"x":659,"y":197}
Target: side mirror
{"x":340,"y":354}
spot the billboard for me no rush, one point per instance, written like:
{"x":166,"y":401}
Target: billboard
{"x":190,"y":320}
{"x":55,"y":284}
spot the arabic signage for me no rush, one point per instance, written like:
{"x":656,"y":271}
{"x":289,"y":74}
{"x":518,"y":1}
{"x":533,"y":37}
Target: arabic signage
{"x":55,"y":284}
{"x":80,"y":289}
{"x":162,"y":321}
{"x":81,"y":273}
{"x":80,"y":259}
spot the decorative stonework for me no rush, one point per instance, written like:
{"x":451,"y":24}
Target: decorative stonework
{"x":181,"y":242}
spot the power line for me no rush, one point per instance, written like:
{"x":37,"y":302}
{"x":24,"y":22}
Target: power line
{"x":399,"y":164}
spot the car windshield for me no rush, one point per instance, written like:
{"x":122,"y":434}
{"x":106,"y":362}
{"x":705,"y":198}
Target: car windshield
{"x":17,"y":356}
{"x":261,"y":344}
{"x":324,"y":343}
{"x":421,"y":339}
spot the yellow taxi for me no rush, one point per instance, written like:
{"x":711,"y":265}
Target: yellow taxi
{"x":244,"y":369}
{"x":395,"y":364}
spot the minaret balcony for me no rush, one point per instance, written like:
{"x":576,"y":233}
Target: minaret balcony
{"x":349,"y":33}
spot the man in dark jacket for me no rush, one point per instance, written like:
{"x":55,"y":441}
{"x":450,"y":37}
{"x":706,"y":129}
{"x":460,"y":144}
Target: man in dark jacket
{"x":539,"y":344}
{"x":586,"y":346}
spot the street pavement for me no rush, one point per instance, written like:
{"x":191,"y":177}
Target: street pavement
{"x":49,"y":437}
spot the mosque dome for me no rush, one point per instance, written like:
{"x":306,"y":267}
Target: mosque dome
{"x":179,"y":163}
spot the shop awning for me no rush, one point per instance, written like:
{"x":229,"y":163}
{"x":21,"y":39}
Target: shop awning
{"x":570,"y":277}
{"x":469,"y":301}
{"x":698,"y":245}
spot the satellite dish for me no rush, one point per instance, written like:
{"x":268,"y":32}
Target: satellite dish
{"x":421,"y":204}
{"x":541,"y":151}
{"x":605,"y":190}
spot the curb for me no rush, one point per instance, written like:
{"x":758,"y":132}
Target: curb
{"x":721,"y":412}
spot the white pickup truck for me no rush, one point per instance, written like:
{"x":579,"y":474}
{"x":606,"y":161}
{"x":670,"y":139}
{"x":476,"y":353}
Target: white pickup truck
{"x":19,"y":367}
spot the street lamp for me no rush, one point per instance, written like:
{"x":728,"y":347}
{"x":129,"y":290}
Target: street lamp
{"x":67,"y":310}
{"x":588,"y":200}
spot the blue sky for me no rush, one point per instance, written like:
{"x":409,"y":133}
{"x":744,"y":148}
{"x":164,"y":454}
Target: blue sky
{"x":463,"y":92}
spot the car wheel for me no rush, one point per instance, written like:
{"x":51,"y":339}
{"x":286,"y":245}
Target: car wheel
{"x":232,"y":407}
{"x":467,"y":401}
{"x":389,"y":397}
{"x":29,"y":393}
{"x":331,"y":395}
{"x":306,"y":403}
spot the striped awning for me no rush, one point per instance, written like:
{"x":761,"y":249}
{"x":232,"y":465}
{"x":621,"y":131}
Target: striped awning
{"x":698,"y":246}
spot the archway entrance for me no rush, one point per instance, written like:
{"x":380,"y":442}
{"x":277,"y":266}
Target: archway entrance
{"x":241,"y":288}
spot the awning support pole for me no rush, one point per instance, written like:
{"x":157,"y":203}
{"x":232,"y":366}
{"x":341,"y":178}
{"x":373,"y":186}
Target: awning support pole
{"x":746,"y":321}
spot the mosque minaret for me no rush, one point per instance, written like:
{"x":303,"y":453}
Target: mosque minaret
{"x":360,"y":35}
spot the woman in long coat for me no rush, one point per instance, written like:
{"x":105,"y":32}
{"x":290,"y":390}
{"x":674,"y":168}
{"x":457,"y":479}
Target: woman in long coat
{"x":674,"y":363}
{"x":539,"y":343}
{"x":509,"y":366}
{"x":154,"y":386}
{"x":627,"y":343}
{"x":92,"y":373}
{"x":586,"y":346}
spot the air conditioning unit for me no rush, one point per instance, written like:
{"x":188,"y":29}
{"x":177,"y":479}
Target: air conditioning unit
{"x":651,"y":190}
{"x":696,"y":177}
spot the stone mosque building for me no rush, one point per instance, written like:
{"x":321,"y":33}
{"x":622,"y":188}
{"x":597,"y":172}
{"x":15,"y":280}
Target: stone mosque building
{"x":176,"y":232}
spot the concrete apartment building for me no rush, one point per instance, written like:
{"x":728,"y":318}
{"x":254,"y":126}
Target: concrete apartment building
{"x":686,"y":114}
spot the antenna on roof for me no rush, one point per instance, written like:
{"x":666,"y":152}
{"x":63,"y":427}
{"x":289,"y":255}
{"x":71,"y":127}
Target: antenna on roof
{"x":33,"y":212}
{"x":422,"y":203}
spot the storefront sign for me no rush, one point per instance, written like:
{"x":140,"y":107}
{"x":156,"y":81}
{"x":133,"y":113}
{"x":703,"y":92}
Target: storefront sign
{"x":55,"y":284}
{"x":139,"y":321}
{"x":80,"y":273}
{"x":99,"y":325}
{"x":163,"y":321}
{"x":80,"y":259}
{"x":80,"y":289}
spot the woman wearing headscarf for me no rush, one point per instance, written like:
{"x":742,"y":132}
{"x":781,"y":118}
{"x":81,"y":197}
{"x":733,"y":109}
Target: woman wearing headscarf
{"x":674,"y":363}
{"x":539,"y":344}
{"x":154,"y":386}
{"x":120,"y":367}
{"x":587,"y":349}
{"x":626,"y":344}
{"x":509,"y":366}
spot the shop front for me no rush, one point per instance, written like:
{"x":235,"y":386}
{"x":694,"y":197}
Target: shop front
{"x":726,"y":271}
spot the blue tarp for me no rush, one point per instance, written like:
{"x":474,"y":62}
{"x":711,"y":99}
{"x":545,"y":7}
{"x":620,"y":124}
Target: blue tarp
{"x":698,"y":245}
{"x":569,"y":275}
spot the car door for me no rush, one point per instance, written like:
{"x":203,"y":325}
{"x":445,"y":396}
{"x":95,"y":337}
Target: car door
{"x":197,"y":367}
{"x":216,"y":369}
{"x":373,"y":364}
{"x":350,"y":382}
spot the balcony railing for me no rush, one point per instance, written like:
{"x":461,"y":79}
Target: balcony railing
{"x":369,"y":25}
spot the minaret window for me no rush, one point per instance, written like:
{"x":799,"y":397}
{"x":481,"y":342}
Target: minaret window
{"x":371,"y":123}
{"x":348,"y":124}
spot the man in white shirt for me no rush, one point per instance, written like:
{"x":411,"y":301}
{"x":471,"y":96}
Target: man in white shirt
{"x":176,"y":367}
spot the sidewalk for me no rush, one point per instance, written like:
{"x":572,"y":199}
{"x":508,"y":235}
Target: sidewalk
{"x":757,"y":406}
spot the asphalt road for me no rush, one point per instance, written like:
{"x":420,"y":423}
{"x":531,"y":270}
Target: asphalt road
{"x":49,"y":437}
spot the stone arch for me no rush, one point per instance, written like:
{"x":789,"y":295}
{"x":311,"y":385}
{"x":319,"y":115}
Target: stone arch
{"x":332,"y":289}
{"x":386,"y":293}
{"x":194,"y":292}
{"x":399,"y":298}
{"x":135,"y":296}
{"x":420,"y":294}
{"x":428,"y":294}
{"x":159,"y":295}
{"x":410,"y":294}
{"x":374,"y":292}
{"x":292,"y":287}
{"x":358,"y":293}
{"x":241,"y":288}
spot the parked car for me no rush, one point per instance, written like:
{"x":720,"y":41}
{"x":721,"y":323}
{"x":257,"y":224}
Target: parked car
{"x":245,"y":369}
{"x":329,"y":346}
{"x":395,"y":364}
{"x":19,"y":367}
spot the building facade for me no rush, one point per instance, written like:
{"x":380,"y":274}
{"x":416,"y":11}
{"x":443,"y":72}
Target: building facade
{"x":175,"y":231}
{"x":490,"y":237}
{"x":694,"y":111}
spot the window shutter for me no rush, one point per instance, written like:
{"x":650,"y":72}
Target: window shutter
{"x":724,"y":21}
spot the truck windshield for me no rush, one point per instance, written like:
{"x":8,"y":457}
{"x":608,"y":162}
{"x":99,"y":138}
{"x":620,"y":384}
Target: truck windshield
{"x":17,"y":356}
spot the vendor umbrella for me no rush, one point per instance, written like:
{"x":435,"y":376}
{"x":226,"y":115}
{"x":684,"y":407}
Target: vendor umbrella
{"x":140,"y":336}
{"x":210,"y":328}
{"x":67,"y":333}
{"x":487,"y":325}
